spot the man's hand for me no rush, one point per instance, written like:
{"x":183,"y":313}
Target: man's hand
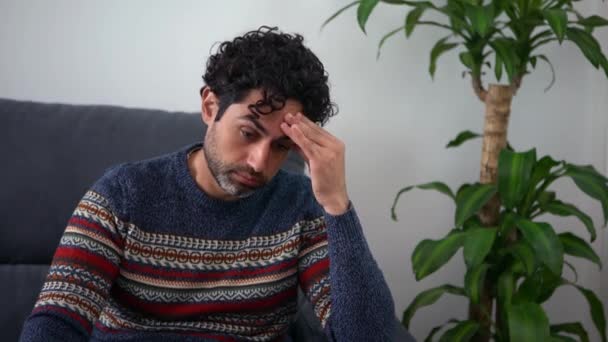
{"x":324,"y":155}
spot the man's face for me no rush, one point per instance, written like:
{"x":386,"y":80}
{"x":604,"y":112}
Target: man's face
{"x":244,"y":150}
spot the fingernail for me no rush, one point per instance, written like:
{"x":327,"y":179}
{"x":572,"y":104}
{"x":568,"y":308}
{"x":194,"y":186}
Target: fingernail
{"x":289,"y":116}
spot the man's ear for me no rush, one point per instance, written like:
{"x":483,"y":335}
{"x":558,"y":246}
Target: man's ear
{"x":209,"y":105}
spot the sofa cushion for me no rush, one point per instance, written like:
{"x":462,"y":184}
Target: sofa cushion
{"x":19,"y":289}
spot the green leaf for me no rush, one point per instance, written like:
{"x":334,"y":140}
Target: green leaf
{"x":463,"y":331}
{"x":528,"y":323}
{"x":412,"y":19}
{"x":591,"y":182}
{"x":472,"y":223}
{"x":542,"y":169}
{"x":333,"y":16}
{"x":364,"y":10}
{"x":571,"y":328}
{"x":597,"y":310}
{"x":593,"y":21}
{"x":523,"y":252}
{"x":436,"y":329}
{"x":498,"y":67}
{"x":544,"y":58}
{"x":560,"y":338}
{"x":505,"y":288}
{"x":538,"y":287}
{"x":514,"y":173}
{"x":455,"y":11}
{"x":471,"y":199}
{"x":587,"y":44}
{"x":440,"y":47}
{"x":560,"y":208}
{"x":546,"y":197}
{"x":474,"y":281}
{"x":506,"y":49}
{"x":544,"y":241}
{"x":587,"y":169}
{"x":558,"y":20}
{"x":461,"y":138}
{"x":480,"y":17}
{"x":387,"y":36}
{"x":430,"y":255}
{"x":428,"y":297}
{"x":466,"y":59}
{"x":506,"y":222}
{"x":571,"y":267}
{"x":441,"y":187}
{"x":533,"y":61}
{"x":477,"y":245}
{"x":575,"y":246}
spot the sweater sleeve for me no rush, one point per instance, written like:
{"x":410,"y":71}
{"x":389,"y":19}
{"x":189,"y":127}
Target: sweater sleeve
{"x":83,"y":269}
{"x":343,"y":282}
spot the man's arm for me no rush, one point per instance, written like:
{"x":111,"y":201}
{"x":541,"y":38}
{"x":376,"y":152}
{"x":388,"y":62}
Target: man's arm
{"x":83,"y":270}
{"x":339,"y":275}
{"x":352,"y":298}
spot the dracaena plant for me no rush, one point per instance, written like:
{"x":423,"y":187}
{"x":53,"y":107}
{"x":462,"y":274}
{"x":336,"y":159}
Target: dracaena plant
{"x":514,"y":261}
{"x":521,"y":256}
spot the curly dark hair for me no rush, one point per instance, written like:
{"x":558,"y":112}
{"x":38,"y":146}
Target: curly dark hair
{"x":278,"y":64}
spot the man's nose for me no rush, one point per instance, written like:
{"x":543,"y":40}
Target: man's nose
{"x":258,"y":157}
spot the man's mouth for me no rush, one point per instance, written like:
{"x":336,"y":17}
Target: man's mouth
{"x":247,"y":180}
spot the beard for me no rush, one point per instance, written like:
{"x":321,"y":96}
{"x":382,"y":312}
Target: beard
{"x":222,"y":171}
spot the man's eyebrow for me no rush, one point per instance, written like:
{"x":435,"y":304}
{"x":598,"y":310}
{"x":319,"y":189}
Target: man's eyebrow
{"x":255,"y":120}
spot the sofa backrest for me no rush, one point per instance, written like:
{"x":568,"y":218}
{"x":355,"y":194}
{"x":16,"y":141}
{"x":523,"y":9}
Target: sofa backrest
{"x":52,"y":153}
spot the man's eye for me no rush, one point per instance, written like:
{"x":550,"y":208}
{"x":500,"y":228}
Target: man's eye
{"x":247,"y":134}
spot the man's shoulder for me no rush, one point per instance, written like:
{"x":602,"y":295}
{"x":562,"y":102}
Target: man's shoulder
{"x":128,"y":172}
{"x":124,"y":179}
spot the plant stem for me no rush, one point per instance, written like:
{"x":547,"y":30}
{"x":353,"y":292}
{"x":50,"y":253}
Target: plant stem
{"x":498,"y":109}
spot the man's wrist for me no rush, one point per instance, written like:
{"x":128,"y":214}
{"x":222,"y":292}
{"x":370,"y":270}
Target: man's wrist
{"x":339,"y":207}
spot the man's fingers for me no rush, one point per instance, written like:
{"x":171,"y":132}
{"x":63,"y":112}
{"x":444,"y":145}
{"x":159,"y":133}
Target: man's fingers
{"x":308,"y":130}
{"x":304,"y":144}
{"x":322,"y":133}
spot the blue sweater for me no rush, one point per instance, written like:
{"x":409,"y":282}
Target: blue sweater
{"x":147,"y":255}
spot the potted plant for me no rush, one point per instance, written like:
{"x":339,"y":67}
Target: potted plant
{"x":514,"y":261}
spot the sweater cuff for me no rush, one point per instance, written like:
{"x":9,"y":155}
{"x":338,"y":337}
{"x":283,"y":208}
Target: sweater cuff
{"x":345,"y":230}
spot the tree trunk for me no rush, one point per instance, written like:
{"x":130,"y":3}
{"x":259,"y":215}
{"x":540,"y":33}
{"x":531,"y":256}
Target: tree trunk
{"x":498,"y":108}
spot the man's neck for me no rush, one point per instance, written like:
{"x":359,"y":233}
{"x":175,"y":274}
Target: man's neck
{"x":199,"y":169}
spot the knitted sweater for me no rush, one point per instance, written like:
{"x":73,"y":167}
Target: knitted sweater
{"x":147,"y":256}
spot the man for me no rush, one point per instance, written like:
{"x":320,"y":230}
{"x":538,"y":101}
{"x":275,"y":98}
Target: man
{"x":212,"y":241}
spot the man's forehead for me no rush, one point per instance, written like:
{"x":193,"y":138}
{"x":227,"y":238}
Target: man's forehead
{"x":259,"y":122}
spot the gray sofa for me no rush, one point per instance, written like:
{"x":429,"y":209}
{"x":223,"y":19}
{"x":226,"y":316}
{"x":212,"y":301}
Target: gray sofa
{"x":52,"y":153}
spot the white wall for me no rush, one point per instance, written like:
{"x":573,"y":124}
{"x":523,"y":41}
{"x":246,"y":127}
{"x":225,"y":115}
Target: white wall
{"x":394,"y":119}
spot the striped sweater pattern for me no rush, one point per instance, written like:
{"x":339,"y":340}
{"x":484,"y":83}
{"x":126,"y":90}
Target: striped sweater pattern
{"x":243,"y":288}
{"x":119,"y":276}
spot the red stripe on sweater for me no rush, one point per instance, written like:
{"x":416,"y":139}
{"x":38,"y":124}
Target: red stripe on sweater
{"x":86,"y":325}
{"x":82,"y":257}
{"x":317,"y":270}
{"x":78,"y":221}
{"x":125,"y":332}
{"x":207,"y":275}
{"x":190,"y":309}
{"x":314,"y":240}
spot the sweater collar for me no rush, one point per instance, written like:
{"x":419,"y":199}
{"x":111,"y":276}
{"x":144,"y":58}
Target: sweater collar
{"x":195,"y":193}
